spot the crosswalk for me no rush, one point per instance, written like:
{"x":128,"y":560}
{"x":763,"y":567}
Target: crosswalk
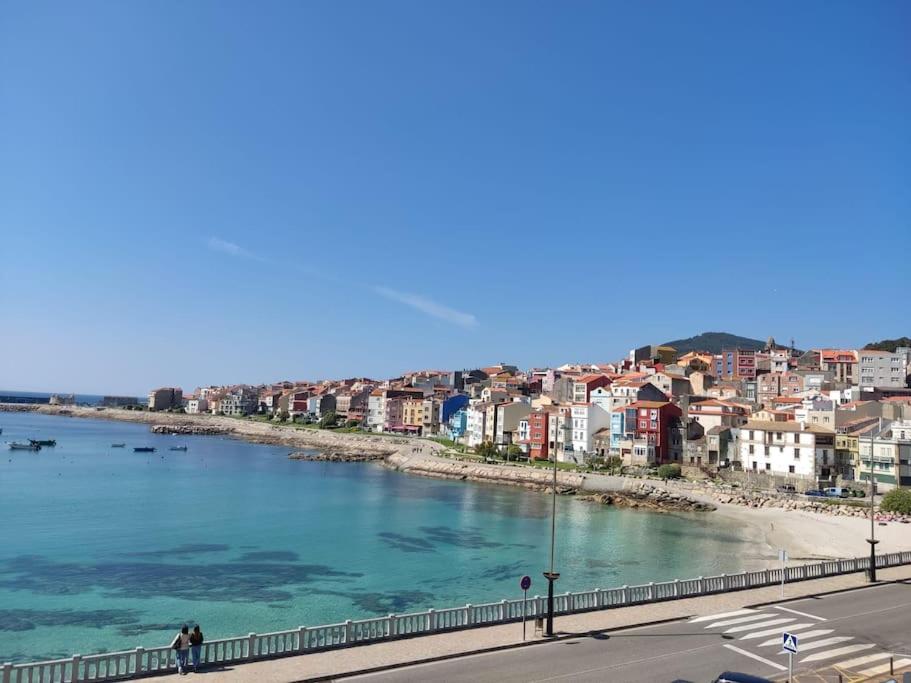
{"x":819,"y":646}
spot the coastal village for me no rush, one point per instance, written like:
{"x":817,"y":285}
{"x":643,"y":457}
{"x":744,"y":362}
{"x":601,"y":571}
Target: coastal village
{"x":773,"y":414}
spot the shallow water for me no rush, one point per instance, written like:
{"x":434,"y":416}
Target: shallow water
{"x":105,"y":549}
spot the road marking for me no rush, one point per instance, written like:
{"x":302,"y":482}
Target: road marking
{"x":836,"y":653}
{"x":775,"y":665}
{"x":738,"y":620}
{"x":883,"y":668}
{"x":822,"y":643}
{"x":722,"y":615}
{"x":803,"y":614}
{"x":808,"y":634}
{"x":761,"y":624}
{"x":857,"y":661}
{"x":792,"y":628}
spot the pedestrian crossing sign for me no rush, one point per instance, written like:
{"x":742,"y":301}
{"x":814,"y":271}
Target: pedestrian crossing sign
{"x":789,"y":642}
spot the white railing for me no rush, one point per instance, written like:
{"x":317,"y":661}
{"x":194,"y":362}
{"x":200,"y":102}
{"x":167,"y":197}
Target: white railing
{"x":142,"y":662}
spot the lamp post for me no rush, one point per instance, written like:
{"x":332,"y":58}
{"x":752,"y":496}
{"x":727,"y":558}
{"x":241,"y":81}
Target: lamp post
{"x":551,"y":575}
{"x":872,"y":540}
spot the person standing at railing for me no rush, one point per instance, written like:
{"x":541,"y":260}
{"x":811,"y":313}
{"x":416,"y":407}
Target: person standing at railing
{"x":196,"y":641}
{"x":182,"y":645}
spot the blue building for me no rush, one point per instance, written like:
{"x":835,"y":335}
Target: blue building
{"x":457,"y":424}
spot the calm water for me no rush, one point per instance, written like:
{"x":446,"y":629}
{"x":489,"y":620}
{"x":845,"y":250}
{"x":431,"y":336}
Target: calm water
{"x":104,"y":549}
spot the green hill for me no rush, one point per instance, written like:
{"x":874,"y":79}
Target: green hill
{"x":713,"y":342}
{"x":888,"y":344}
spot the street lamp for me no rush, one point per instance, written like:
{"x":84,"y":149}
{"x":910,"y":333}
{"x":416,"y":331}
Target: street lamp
{"x":551,"y":575}
{"x":872,"y":540}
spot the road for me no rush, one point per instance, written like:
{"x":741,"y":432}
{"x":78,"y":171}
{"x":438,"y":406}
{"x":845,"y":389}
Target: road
{"x":852,"y":632}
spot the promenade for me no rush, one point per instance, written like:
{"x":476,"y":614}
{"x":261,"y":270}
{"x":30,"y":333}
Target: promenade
{"x":350,"y":661}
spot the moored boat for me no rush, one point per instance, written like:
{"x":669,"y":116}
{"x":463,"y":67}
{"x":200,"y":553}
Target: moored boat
{"x":24,"y":447}
{"x":118,"y":445}
{"x":43,"y":442}
{"x":144,"y":449}
{"x":178,"y":448}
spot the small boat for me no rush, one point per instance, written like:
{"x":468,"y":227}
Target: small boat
{"x":118,"y":445}
{"x":24,"y":447}
{"x":177,"y":448}
{"x":43,"y":442}
{"x":144,"y":449}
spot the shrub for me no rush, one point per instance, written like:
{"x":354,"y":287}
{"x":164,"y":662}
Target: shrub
{"x":615,"y":463}
{"x":897,"y":500}
{"x":669,"y":471}
{"x":328,"y":420}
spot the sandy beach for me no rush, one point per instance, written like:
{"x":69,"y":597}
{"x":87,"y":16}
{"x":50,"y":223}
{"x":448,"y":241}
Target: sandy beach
{"x":806,"y":536}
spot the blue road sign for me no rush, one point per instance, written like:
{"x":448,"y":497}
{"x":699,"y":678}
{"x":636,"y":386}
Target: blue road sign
{"x":525,"y":583}
{"x":789,"y":642}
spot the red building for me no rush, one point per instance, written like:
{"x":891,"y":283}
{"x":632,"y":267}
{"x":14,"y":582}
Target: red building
{"x":538,"y":441}
{"x":582,"y":387}
{"x":653,"y":420}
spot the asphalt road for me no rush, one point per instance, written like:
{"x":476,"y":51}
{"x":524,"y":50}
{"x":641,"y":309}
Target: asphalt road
{"x":851,"y":632}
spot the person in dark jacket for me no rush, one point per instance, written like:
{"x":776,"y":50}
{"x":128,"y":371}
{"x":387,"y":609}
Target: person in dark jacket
{"x":196,"y":641}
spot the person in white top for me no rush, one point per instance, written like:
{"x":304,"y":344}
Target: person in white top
{"x":182,"y":645}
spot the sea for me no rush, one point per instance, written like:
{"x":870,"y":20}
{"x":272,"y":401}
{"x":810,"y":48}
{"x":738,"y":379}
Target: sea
{"x":106,"y":549}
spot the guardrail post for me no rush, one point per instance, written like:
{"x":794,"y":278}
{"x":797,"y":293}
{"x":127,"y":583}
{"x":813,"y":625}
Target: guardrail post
{"x":468,"y":620}
{"x":676,"y":588}
{"x":431,"y":620}
{"x":301,"y":638}
{"x":537,"y":603}
{"x":7,"y":672}
{"x":138,"y":665}
{"x":391,"y":625}
{"x":349,"y":631}
{"x":700,"y":585}
{"x":74,"y":675}
{"x":251,"y":645}
{"x":725,"y":583}
{"x":624,"y":595}
{"x":504,"y":610}
{"x":651,"y":590}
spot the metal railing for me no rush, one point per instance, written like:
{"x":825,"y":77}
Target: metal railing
{"x":144,"y":662}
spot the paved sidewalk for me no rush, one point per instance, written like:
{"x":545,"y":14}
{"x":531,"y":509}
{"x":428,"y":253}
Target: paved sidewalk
{"x":326,"y":665}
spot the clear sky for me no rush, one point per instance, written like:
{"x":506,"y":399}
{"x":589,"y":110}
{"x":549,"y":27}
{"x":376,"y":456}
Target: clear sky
{"x":212,"y":192}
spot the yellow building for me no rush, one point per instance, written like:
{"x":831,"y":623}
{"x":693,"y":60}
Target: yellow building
{"x":413,"y":412}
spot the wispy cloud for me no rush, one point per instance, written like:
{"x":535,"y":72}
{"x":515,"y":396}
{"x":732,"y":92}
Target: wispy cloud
{"x":225,"y":247}
{"x":429,"y":307}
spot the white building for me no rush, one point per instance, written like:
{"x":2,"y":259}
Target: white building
{"x":476,"y":423}
{"x":197,"y":405}
{"x":586,"y":420}
{"x":523,"y":434}
{"x":376,"y":411}
{"x":788,"y":448}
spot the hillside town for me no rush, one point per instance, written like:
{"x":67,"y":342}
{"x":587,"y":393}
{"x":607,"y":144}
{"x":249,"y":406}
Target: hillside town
{"x":816,"y":418}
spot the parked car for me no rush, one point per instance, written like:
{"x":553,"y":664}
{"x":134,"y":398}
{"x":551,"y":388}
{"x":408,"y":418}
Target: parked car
{"x":815,"y":493}
{"x":786,"y":488}
{"x":735,"y":677}
{"x":835,"y":492}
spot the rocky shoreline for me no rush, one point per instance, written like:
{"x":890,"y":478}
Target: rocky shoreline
{"x":204,"y":430}
{"x":335,"y":457}
{"x":649,"y":498}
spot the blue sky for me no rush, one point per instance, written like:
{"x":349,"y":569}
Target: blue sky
{"x":212,"y":192}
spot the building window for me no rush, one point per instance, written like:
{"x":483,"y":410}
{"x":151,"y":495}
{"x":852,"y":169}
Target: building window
{"x":751,"y":450}
{"x":791,"y":469}
{"x":797,"y":454}
{"x":768,"y":466}
{"x":754,"y":465}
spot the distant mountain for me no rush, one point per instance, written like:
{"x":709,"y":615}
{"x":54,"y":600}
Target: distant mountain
{"x":713,"y":342}
{"x":888,"y":344}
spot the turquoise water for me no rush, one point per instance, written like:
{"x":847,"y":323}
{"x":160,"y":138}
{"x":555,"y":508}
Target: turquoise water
{"x":104,"y":549}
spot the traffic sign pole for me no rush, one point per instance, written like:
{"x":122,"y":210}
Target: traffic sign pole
{"x":524,"y":584}
{"x":790,"y":667}
{"x":524,"y":611}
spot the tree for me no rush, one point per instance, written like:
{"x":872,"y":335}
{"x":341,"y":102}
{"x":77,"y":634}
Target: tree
{"x":615,"y":464}
{"x":351,"y":424}
{"x":669,"y":471}
{"x":283,"y":416}
{"x":487,"y":450}
{"x":328,"y":420}
{"x":898,"y":501}
{"x":513,"y":452}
